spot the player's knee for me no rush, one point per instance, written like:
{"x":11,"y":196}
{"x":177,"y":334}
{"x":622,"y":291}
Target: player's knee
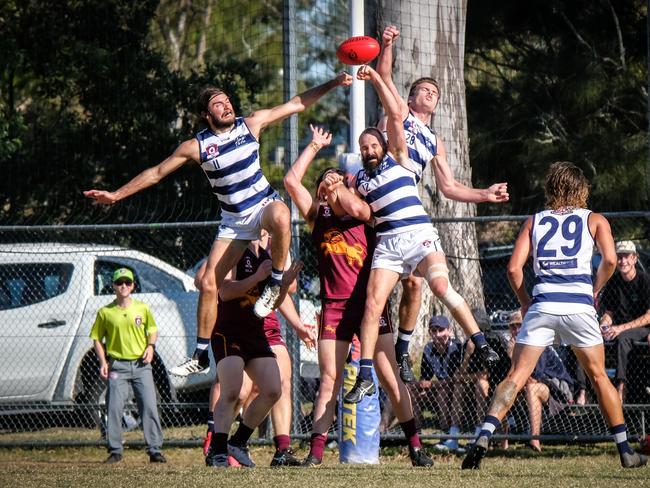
{"x":599,"y":379}
{"x":447,"y":294}
{"x":229,"y":397}
{"x":281,"y":220}
{"x":273,"y":393}
{"x":412,"y":289}
{"x":373,"y":307}
{"x":327,"y":379}
{"x":208,"y":284}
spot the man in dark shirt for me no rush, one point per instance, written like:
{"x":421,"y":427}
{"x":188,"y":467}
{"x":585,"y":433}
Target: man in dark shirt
{"x":626,"y":305}
{"x":441,"y":360}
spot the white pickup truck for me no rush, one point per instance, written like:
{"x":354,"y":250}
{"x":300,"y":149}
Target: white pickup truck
{"x":49,"y":296}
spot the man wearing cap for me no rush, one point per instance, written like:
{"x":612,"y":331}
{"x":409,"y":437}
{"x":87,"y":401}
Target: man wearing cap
{"x":626,"y":305}
{"x":442,"y":358}
{"x":124,"y":334}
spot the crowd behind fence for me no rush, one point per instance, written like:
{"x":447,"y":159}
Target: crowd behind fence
{"x":54,"y":279}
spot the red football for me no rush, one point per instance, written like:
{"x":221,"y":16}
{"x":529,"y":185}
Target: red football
{"x":358,"y":50}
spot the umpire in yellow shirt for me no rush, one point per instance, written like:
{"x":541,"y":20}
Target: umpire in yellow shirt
{"x":124,"y":334}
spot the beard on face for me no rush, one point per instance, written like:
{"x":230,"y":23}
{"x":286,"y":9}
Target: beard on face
{"x":223,"y":122}
{"x":370,"y":162}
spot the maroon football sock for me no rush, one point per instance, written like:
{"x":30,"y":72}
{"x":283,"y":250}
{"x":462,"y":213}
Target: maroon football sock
{"x":317,"y":445}
{"x":282,"y":442}
{"x":411,"y":433}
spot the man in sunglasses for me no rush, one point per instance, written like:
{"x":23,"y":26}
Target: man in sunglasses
{"x":124,"y":334}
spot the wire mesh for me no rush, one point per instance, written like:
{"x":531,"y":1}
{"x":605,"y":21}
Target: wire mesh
{"x":54,"y":279}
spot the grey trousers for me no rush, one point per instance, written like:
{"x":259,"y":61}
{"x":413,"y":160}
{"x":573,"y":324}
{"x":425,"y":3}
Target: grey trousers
{"x":139,"y":375}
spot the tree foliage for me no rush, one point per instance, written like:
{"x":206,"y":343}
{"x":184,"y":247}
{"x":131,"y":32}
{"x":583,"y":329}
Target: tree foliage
{"x":559,"y":80}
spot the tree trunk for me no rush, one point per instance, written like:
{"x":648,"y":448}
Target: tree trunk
{"x":431,"y":44}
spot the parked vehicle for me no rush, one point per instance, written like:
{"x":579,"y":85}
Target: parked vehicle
{"x":49,"y":297}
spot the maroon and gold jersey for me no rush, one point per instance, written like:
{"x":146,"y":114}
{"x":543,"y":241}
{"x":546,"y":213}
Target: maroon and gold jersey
{"x":344,"y":246}
{"x":237,"y":316}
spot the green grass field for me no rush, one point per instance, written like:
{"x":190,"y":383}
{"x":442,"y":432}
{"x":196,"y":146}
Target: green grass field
{"x":557,"y":466}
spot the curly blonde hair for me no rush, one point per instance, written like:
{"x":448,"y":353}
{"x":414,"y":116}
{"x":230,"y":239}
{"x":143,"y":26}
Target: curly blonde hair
{"x":566,"y":186}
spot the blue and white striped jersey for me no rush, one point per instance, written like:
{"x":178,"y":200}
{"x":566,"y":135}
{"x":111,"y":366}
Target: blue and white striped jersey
{"x":562,"y":250}
{"x":232,"y":164}
{"x":391,"y":191}
{"x":421,"y":140}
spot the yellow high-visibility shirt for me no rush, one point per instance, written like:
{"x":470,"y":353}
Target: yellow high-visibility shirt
{"x":125,"y":330}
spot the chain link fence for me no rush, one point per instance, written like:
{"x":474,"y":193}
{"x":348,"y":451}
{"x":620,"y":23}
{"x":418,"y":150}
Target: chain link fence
{"x":54,"y":279}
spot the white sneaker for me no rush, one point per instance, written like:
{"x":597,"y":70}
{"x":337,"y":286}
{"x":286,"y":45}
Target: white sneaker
{"x":265,"y":304}
{"x":190,"y":366}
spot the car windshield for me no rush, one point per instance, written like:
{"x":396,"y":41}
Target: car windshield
{"x":23,"y":284}
{"x":148,"y":278}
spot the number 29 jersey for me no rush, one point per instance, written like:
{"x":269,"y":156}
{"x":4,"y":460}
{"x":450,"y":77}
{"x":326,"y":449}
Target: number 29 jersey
{"x":562,"y":250}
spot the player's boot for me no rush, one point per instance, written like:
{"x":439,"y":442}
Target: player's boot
{"x":284,"y":457}
{"x":241,"y":455}
{"x":311,"y":460}
{"x":217,"y":461}
{"x":266,"y":303}
{"x":360,"y":389}
{"x":475,"y":453}
{"x":487,"y":355}
{"x":194,"y":365}
{"x":405,"y":371}
{"x":419,"y":457}
{"x":633,"y":460}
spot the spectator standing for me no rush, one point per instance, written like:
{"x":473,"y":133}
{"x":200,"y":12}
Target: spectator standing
{"x":130,"y":332}
{"x":626,"y":305}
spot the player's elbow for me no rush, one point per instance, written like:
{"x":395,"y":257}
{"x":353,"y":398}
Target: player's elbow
{"x":448,"y":188}
{"x":291,"y":183}
{"x":296,"y":105}
{"x":609,"y":261}
{"x":361,"y":212}
{"x":513,"y":271}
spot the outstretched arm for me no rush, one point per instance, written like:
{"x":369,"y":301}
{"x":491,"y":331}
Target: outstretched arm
{"x":454,"y":190}
{"x":516,"y":265}
{"x":188,"y":151}
{"x":300,"y":195}
{"x":394,"y":128}
{"x":385,"y":65}
{"x":259,"y":120}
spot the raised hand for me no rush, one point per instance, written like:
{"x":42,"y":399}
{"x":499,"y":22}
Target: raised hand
{"x":343,"y":79}
{"x":390,"y":35}
{"x":365,"y":73}
{"x":320,"y":136}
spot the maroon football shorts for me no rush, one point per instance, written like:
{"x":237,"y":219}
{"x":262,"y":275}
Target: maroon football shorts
{"x":273,"y":335}
{"x":243,"y":344}
{"x":341,"y":319}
